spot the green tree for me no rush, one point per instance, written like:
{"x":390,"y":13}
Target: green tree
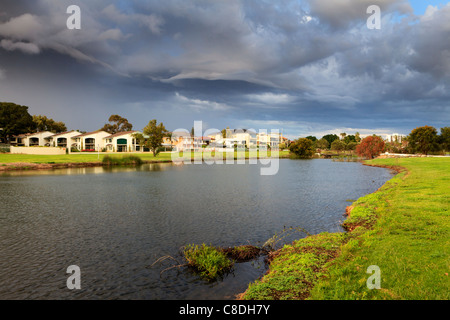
{"x":117,"y":124}
{"x":47,"y":124}
{"x":337,"y":145}
{"x":302,"y":148}
{"x":156,"y":133}
{"x":14,"y":120}
{"x":349,"y":138}
{"x":423,"y":140}
{"x":322,"y":144}
{"x":330,"y":138}
{"x":444,"y":138}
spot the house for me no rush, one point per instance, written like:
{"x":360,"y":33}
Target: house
{"x":272,"y":139}
{"x":64,"y":139}
{"x":38,"y":139}
{"x":91,"y":141}
{"x":18,"y":140}
{"x":122,"y":142}
{"x":244,"y":137}
{"x":239,"y":137}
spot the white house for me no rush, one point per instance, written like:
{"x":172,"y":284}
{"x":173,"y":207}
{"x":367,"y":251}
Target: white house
{"x":122,"y":142}
{"x":37,"y":139}
{"x":91,"y":141}
{"x":271,"y":139}
{"x":64,"y":139}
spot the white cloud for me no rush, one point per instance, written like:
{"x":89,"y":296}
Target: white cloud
{"x":26,"y":47}
{"x":272,"y":98}
{"x":201,"y":105}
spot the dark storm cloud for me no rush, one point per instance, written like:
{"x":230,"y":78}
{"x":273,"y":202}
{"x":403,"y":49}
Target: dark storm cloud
{"x":308,"y":66}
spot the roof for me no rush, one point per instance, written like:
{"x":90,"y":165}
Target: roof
{"x":89,"y":133}
{"x":62,"y":133}
{"x":118,"y":134}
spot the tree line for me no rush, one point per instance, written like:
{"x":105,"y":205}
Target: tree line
{"x":15,"y":120}
{"x":421,"y":140}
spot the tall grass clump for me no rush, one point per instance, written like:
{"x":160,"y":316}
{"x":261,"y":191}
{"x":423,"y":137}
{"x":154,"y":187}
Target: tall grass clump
{"x":208,"y":261}
{"x":123,"y":161}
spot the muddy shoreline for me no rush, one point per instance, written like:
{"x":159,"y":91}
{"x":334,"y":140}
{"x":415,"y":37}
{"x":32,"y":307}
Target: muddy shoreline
{"x":15,"y":166}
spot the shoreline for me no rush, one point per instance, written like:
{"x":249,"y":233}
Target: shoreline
{"x":323,"y":246}
{"x":16,"y":166}
{"x":26,"y":166}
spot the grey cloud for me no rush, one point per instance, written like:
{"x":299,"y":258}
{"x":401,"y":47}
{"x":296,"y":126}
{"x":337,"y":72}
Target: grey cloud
{"x":313,"y":62}
{"x":341,"y":14}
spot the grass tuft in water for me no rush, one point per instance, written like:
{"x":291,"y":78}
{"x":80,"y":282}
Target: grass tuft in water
{"x":208,"y":261}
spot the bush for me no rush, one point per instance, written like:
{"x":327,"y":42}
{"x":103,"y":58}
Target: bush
{"x":125,"y":160}
{"x":302,"y":148}
{"x":5,"y":148}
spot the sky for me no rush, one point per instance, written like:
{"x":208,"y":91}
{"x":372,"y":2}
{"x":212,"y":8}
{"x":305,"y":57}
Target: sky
{"x":305,"y":67}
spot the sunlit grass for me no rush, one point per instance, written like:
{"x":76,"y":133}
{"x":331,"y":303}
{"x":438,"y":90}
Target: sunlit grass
{"x":403,"y":228}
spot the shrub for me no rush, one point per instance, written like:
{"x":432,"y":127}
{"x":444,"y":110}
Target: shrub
{"x":302,"y":148}
{"x":125,"y":160}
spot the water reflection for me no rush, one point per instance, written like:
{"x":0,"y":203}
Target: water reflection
{"x":88,"y":170}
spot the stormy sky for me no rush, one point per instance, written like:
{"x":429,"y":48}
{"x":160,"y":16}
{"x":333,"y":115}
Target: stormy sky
{"x":307,"y":67}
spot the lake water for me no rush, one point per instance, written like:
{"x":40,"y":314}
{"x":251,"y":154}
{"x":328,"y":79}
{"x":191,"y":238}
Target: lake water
{"x":115,"y":223}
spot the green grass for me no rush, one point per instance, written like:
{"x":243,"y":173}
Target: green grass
{"x":80,"y":157}
{"x":208,"y":261}
{"x":403,"y":229}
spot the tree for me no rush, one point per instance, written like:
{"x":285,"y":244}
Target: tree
{"x":370,"y":147}
{"x":117,"y":124}
{"x":302,"y":148}
{"x":444,"y":138}
{"x":156,"y":134}
{"x":337,"y":145}
{"x":312,"y":138}
{"x":322,"y":144}
{"x":349,"y":138}
{"x":357,"y":137}
{"x":47,"y":124}
{"x":330,"y":138}
{"x":14,"y":120}
{"x":351,"y":145}
{"x":423,"y":140}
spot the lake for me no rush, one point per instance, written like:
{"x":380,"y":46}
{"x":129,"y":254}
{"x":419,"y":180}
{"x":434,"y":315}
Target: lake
{"x":115,"y":223}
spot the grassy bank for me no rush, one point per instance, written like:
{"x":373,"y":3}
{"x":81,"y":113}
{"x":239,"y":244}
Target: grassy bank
{"x":81,"y":157}
{"x":403,"y":228}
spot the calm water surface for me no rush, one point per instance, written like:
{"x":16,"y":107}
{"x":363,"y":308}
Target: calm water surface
{"x":114,"y":224}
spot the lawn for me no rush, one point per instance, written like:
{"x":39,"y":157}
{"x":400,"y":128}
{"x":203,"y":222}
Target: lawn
{"x":90,"y":157}
{"x":403,"y":229}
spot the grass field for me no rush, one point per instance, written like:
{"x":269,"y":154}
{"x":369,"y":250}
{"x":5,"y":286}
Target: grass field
{"x":80,"y":157}
{"x":403,"y":229}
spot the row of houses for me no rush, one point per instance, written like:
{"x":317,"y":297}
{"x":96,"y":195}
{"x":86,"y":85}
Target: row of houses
{"x":127,"y":142}
{"x":96,"y":140}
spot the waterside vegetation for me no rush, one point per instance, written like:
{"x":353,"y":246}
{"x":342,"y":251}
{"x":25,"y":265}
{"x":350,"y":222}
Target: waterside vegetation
{"x":403,"y":228}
